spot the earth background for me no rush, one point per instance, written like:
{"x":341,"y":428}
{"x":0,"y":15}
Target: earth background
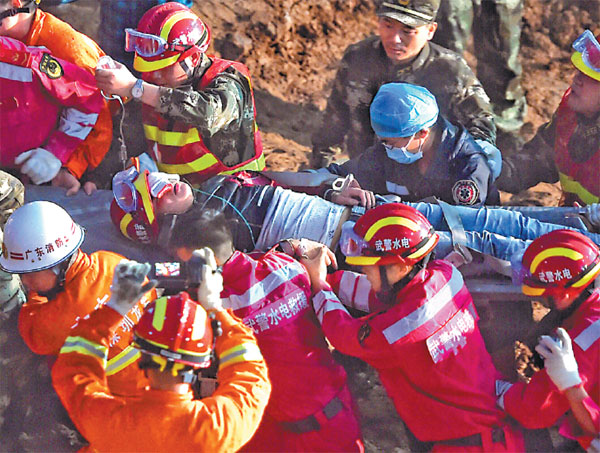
{"x":292,"y":49}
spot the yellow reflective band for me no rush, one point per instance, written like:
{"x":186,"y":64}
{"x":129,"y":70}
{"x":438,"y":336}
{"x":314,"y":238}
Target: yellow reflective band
{"x":124,"y":223}
{"x":244,"y":352}
{"x":402,"y":221}
{"x":160,"y":308}
{"x":84,"y":346}
{"x":587,"y":277}
{"x":122,"y":360}
{"x":141,"y":65}
{"x":554,"y":251}
{"x":168,"y":25}
{"x":207,"y":161}
{"x":530,"y":291}
{"x":170,"y":138}
{"x":571,"y":186}
{"x":580,"y":64}
{"x":142,"y":187}
{"x":256,"y":165}
{"x":425,"y":249}
{"x":198,"y":165}
{"x":362,"y":260}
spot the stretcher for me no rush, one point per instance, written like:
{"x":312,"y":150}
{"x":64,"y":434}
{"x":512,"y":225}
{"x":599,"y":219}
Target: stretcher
{"x":486,"y":276}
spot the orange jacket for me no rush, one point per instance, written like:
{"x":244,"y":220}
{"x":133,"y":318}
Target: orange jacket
{"x":45,"y":324}
{"x":70,"y":45}
{"x":160,"y":420}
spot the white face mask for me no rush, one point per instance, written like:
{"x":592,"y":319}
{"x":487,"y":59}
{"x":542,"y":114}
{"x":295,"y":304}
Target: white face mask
{"x":402,"y":155}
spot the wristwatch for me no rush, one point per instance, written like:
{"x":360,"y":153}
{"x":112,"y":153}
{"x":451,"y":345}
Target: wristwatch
{"x":138,"y":89}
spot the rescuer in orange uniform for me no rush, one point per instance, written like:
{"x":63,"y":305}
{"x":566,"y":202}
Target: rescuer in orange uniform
{"x":41,"y":243}
{"x":177,"y":339}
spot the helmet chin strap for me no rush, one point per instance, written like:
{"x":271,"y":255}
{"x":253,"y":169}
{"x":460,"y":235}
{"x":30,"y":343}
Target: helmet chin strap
{"x":387,"y":292}
{"x":60,"y":270}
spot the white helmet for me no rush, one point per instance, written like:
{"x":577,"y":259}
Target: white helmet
{"x":38,"y":236}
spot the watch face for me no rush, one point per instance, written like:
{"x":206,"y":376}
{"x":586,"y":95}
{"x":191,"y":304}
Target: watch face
{"x":137,"y":89}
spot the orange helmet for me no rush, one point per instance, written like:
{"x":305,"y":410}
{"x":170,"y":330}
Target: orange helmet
{"x":558,"y":263}
{"x":175,"y":329}
{"x":389,"y":233}
{"x":132,"y":209}
{"x":166,"y":34}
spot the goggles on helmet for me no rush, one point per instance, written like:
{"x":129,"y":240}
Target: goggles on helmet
{"x":589,"y":48}
{"x":351,"y":244}
{"x":146,"y":45}
{"x":125,"y":192}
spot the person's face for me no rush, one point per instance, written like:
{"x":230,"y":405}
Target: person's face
{"x":171,"y":76}
{"x":176,"y":201}
{"x":40,"y":281}
{"x":401,"y":42}
{"x":372,"y":273}
{"x":585,"y":95}
{"x":8,"y":25}
{"x":394,"y":272}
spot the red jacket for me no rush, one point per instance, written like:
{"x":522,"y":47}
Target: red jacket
{"x":271,"y":293}
{"x":427,"y":349}
{"x":45,"y":102}
{"x":45,"y":324}
{"x":68,"y":44}
{"x":540,"y":404}
{"x":158,"y":420}
{"x":177,"y":147}
{"x":579,"y":180}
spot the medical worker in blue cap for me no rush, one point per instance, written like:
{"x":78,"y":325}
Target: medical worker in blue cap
{"x":420,"y":154}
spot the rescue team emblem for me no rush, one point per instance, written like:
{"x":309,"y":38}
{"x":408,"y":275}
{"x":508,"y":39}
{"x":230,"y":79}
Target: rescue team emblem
{"x":465,"y":191}
{"x":51,"y":67}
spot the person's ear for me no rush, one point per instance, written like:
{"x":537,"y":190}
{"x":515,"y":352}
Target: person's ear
{"x":431,"y":28}
{"x":423,"y":133}
{"x":195,"y":59}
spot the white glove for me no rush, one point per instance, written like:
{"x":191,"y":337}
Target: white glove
{"x":559,"y":360}
{"x":592,"y":212}
{"x":40,"y":165}
{"x":127,"y":285}
{"x":211,"y":285}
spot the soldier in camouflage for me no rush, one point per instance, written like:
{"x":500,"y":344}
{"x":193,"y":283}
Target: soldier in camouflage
{"x":11,"y":198}
{"x":402,"y":52}
{"x":496,"y":26}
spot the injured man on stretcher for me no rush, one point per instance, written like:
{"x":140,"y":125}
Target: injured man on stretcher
{"x":148,"y":204}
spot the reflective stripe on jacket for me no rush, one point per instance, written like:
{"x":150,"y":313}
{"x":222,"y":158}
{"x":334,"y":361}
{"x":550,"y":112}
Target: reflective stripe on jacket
{"x":222,"y":422}
{"x":178,"y":147}
{"x":428,"y":352}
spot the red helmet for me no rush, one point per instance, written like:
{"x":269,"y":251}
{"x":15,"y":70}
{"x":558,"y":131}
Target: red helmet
{"x":586,"y":57}
{"x":166,"y":34}
{"x":558,"y":263}
{"x":134,"y":214}
{"x":176,"y":329}
{"x":132,"y":209}
{"x":389,"y":233}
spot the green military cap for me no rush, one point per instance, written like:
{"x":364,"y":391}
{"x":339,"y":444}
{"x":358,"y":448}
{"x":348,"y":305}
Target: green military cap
{"x":413,"y":13}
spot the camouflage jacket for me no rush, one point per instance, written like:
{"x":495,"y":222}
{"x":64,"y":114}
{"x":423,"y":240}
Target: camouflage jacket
{"x":365,"y":67}
{"x":223,"y":112}
{"x":11,"y":196}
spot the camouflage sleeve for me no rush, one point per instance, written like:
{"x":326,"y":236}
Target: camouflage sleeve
{"x":212,"y":109}
{"x":11,"y":196}
{"x":337,"y":113}
{"x":470,"y":106}
{"x":532,"y":164}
